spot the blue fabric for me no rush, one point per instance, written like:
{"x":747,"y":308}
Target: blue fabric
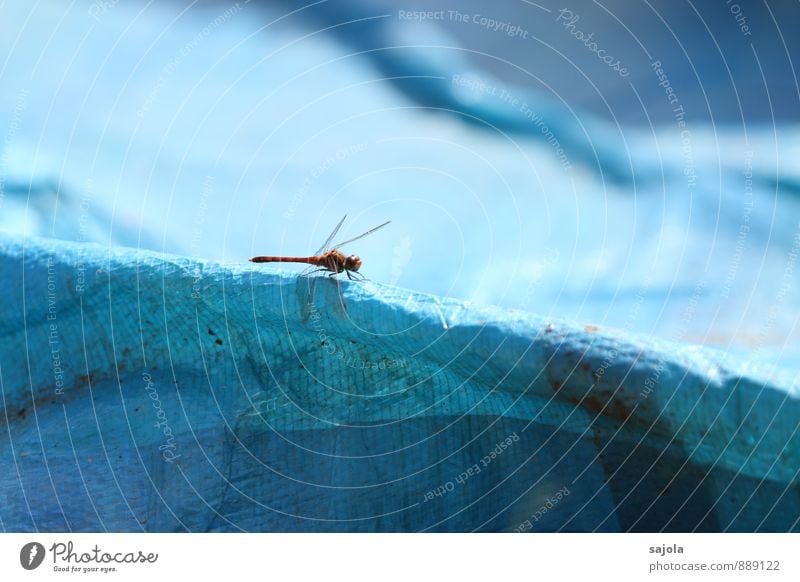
{"x":150,"y":392}
{"x":150,"y":381}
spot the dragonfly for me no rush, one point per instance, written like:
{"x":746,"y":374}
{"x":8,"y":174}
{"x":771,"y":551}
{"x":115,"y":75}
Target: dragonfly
{"x":328,"y":258}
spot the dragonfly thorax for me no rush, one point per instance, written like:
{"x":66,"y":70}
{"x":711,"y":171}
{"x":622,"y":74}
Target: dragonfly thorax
{"x":336,"y":261}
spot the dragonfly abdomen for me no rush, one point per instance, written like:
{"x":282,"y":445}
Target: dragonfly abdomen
{"x":276,"y":259}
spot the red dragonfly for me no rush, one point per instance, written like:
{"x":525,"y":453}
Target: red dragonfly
{"x":327,"y":258}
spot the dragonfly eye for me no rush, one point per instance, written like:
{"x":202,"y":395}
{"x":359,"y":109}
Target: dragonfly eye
{"x":352,"y":263}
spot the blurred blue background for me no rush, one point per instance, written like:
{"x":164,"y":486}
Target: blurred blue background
{"x":656,"y":192}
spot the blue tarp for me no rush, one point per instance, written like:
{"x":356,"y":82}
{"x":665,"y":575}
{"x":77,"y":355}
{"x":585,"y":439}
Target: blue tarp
{"x":153,"y":380}
{"x":154,"y":392}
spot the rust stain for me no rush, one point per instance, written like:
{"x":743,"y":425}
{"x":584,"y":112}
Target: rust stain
{"x":593,"y":403}
{"x":605,"y":404}
{"x":86,"y":379}
{"x":620,"y":410}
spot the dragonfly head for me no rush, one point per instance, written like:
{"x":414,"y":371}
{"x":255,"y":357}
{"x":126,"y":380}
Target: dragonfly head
{"x":352,"y":263}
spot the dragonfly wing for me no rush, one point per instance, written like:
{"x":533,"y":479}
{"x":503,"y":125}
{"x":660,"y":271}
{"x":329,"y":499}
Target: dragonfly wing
{"x":316,"y":301}
{"x":325,"y":246}
{"x":341,"y":307}
{"x":370,"y":231}
{"x":307,"y":287}
{"x":308,"y":271}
